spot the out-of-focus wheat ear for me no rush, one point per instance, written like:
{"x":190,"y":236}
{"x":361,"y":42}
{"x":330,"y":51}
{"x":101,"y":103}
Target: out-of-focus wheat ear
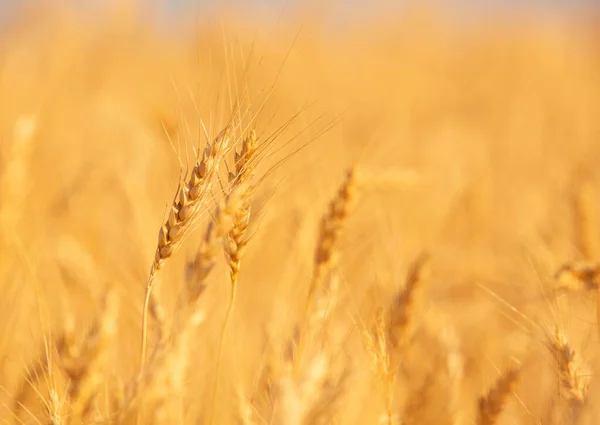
{"x":86,"y":369}
{"x":573,"y":277}
{"x":296,"y":393}
{"x":492,"y":403}
{"x":401,"y":312}
{"x":187,"y":204}
{"x":326,"y":251}
{"x":587,"y":232}
{"x":391,"y":331}
{"x":377,"y":345}
{"x":330,"y":229}
{"x":14,"y":173}
{"x":156,"y":393}
{"x":573,"y":376}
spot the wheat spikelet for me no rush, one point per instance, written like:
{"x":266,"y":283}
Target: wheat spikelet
{"x":492,"y":403}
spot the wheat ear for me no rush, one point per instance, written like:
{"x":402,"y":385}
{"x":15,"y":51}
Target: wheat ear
{"x":167,"y":360}
{"x":401,"y":312}
{"x":159,"y":388}
{"x":236,"y":239}
{"x":186,"y":206}
{"x":199,"y":268}
{"x":492,"y":403}
{"x":330,"y":230}
{"x":84,"y":365}
{"x":573,"y":382}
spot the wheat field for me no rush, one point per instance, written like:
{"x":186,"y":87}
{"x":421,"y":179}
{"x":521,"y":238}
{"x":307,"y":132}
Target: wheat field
{"x":246,"y":222}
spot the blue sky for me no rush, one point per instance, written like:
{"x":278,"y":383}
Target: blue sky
{"x":352,"y":10}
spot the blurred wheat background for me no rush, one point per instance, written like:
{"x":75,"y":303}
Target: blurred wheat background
{"x":461,"y":290}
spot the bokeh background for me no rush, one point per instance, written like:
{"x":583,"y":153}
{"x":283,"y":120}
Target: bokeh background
{"x":475,"y":125}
